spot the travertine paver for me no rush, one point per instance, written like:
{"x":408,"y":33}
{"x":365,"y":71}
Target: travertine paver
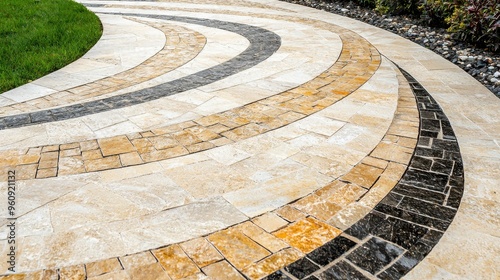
{"x":260,"y":211}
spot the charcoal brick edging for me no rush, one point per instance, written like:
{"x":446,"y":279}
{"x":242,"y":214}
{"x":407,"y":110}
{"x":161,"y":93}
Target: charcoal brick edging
{"x":404,"y":227}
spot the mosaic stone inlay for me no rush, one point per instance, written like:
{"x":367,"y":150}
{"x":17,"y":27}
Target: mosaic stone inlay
{"x":404,"y":227}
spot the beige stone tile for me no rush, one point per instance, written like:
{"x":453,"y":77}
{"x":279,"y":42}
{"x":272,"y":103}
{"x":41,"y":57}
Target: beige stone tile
{"x":272,"y":263}
{"x":222,"y":271}
{"x":270,"y":222}
{"x":25,"y":172}
{"x":131,"y":158}
{"x":91,"y":154}
{"x":162,"y":142}
{"x":164,"y":154}
{"x":46,"y":173}
{"x":349,"y":215}
{"x":70,"y":152}
{"x":237,"y":248}
{"x":316,"y":206}
{"x":50,"y":148}
{"x":71,"y":165}
{"x":379,"y":163}
{"x":101,"y":267}
{"x":262,"y":237}
{"x":392,"y":152}
{"x":76,"y":272}
{"x":115,"y":145}
{"x":201,"y":251}
{"x":290,"y":214}
{"x":121,"y":274}
{"x":307,"y":234}
{"x":137,"y":260}
{"x":175,"y":262}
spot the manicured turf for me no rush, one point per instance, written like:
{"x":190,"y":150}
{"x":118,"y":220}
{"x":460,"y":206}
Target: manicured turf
{"x":40,"y":36}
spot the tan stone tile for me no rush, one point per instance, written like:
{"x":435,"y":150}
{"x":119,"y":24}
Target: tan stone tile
{"x":164,"y":154}
{"x":71,"y":165}
{"x":70,"y":152}
{"x":25,"y":172}
{"x":163,"y":142}
{"x":46,"y":173}
{"x":89,"y":145}
{"x":394,"y":171}
{"x":20,"y":276}
{"x":237,"y":248}
{"x":186,"y":138}
{"x":175,"y":262}
{"x":115,"y":275}
{"x":307,"y":234}
{"x":407,"y":142}
{"x":50,"y":148}
{"x":104,"y":266}
{"x":265,"y":239}
{"x":132,"y":158}
{"x":197,"y":276}
{"x":379,"y":163}
{"x":346,"y":195}
{"x":349,"y":215}
{"x":270,"y":222}
{"x":221,"y":141}
{"x":147,"y":134}
{"x":290,"y":214}
{"x":218,"y":128}
{"x":202,"y":133}
{"x":143,"y":145}
{"x":317,"y":207}
{"x":102,"y":164}
{"x":115,"y":145}
{"x":201,"y":251}
{"x":330,"y":189}
{"x":272,"y":263}
{"x":46,"y":274}
{"x":91,"y":154}
{"x":244,"y":132}
{"x":148,"y":271}
{"x":363,"y":175}
{"x":222,"y":271}
{"x":70,"y":146}
{"x":75,"y":272}
{"x":198,"y":147}
{"x":139,"y":259}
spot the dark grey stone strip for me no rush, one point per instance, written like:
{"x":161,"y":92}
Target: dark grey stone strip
{"x":404,"y":227}
{"x":263,"y":43}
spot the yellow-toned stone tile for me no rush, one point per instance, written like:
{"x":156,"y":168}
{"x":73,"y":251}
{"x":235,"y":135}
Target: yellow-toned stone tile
{"x":143,"y":145}
{"x":50,"y":148}
{"x":395,"y":171}
{"x":218,"y":128}
{"x":25,"y":172}
{"x":244,"y":132}
{"x":270,"y":222}
{"x":163,"y":142}
{"x":70,"y":146}
{"x":46,"y":274}
{"x":346,"y":195}
{"x":120,"y":274}
{"x":102,"y":164}
{"x":70,"y":152}
{"x":349,"y":215}
{"x":20,"y":276}
{"x":175,"y":262}
{"x":197,"y":276}
{"x":237,"y":248}
{"x":202,"y":146}
{"x":407,"y":142}
{"x":330,"y":189}
{"x":265,"y":239}
{"x":139,"y":259}
{"x":75,"y":272}
{"x":129,"y":159}
{"x":307,"y":234}
{"x":46,"y":173}
{"x":34,"y":151}
{"x":272,"y":263}
{"x":164,"y":154}
{"x":290,"y":214}
{"x":379,"y":163}
{"x":91,"y":154}
{"x":71,"y":165}
{"x":148,"y":271}
{"x":393,"y":152}
{"x":222,"y":271}
{"x":363,"y":175}
{"x":186,"y":138}
{"x":115,"y":145}
{"x":379,"y":190}
{"x":316,"y":206}
{"x":202,"y":133}
{"x":102,"y":267}
{"x":147,"y":134}
{"x":201,"y":251}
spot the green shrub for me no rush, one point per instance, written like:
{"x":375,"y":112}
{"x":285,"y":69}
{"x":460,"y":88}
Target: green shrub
{"x":435,"y":12}
{"x":478,"y":22}
{"x":398,"y":7}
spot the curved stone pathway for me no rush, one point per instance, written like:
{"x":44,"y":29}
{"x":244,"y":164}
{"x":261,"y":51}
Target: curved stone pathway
{"x":260,"y":140}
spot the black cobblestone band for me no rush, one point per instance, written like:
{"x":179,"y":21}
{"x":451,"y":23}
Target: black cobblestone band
{"x":404,"y":227}
{"x":263,"y":43}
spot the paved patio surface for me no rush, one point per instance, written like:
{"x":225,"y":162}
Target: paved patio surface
{"x":249,"y":140}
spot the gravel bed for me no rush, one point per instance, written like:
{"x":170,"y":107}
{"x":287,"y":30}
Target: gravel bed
{"x":484,"y":66}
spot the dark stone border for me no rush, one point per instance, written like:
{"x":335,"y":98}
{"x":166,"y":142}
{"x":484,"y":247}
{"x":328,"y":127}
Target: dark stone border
{"x":263,"y":43}
{"x":404,"y":227}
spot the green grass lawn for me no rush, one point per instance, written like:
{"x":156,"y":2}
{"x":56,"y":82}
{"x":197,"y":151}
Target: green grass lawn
{"x":40,"y":36}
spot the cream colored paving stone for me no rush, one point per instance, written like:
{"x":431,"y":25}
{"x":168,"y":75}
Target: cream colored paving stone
{"x":270,"y":222}
{"x":201,"y":252}
{"x":137,"y":260}
{"x":222,"y":271}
